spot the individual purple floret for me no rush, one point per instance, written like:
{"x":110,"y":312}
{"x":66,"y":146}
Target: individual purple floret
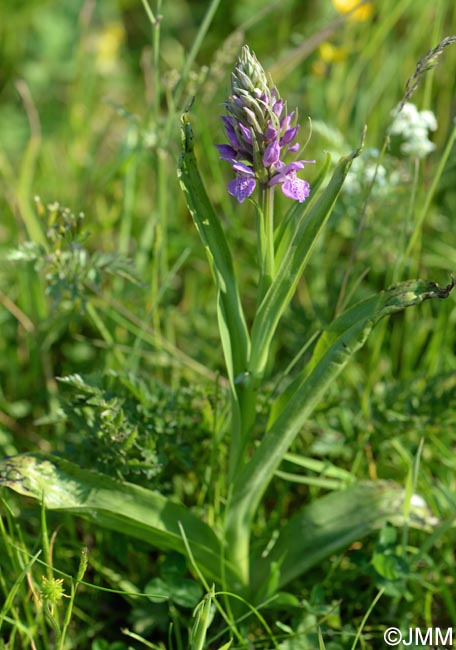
{"x":260,"y":134}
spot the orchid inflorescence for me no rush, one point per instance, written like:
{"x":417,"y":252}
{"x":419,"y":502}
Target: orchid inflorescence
{"x":260,"y":133}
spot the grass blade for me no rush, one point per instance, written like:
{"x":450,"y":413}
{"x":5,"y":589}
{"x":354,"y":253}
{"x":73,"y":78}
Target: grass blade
{"x":15,"y":588}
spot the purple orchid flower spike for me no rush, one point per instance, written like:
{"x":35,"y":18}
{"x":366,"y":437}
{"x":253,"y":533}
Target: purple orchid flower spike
{"x":260,"y":133}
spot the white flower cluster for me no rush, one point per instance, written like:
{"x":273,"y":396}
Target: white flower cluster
{"x":414,"y":126}
{"x":362,"y":174}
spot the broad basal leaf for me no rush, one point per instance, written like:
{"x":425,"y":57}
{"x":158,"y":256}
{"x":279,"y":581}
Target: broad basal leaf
{"x":123,"y":507}
{"x":331,"y":524}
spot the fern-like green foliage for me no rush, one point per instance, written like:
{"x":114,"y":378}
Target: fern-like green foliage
{"x":135,"y":430}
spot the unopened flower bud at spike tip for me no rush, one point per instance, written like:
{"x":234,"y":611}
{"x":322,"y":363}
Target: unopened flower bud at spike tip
{"x":260,"y":134}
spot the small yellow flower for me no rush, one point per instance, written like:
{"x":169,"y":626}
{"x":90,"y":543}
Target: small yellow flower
{"x":107,"y":44}
{"x":319,"y":69}
{"x":331,"y":53}
{"x":361,"y":14}
{"x":328,"y":54}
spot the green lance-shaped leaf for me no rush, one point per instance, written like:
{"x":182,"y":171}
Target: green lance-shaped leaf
{"x":233,"y":329}
{"x":331,"y":524}
{"x":294,"y":249}
{"x":296,"y":214}
{"x":334,"y":349}
{"x":119,"y":506}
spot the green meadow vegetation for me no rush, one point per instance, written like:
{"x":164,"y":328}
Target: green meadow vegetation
{"x":226,"y":423}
